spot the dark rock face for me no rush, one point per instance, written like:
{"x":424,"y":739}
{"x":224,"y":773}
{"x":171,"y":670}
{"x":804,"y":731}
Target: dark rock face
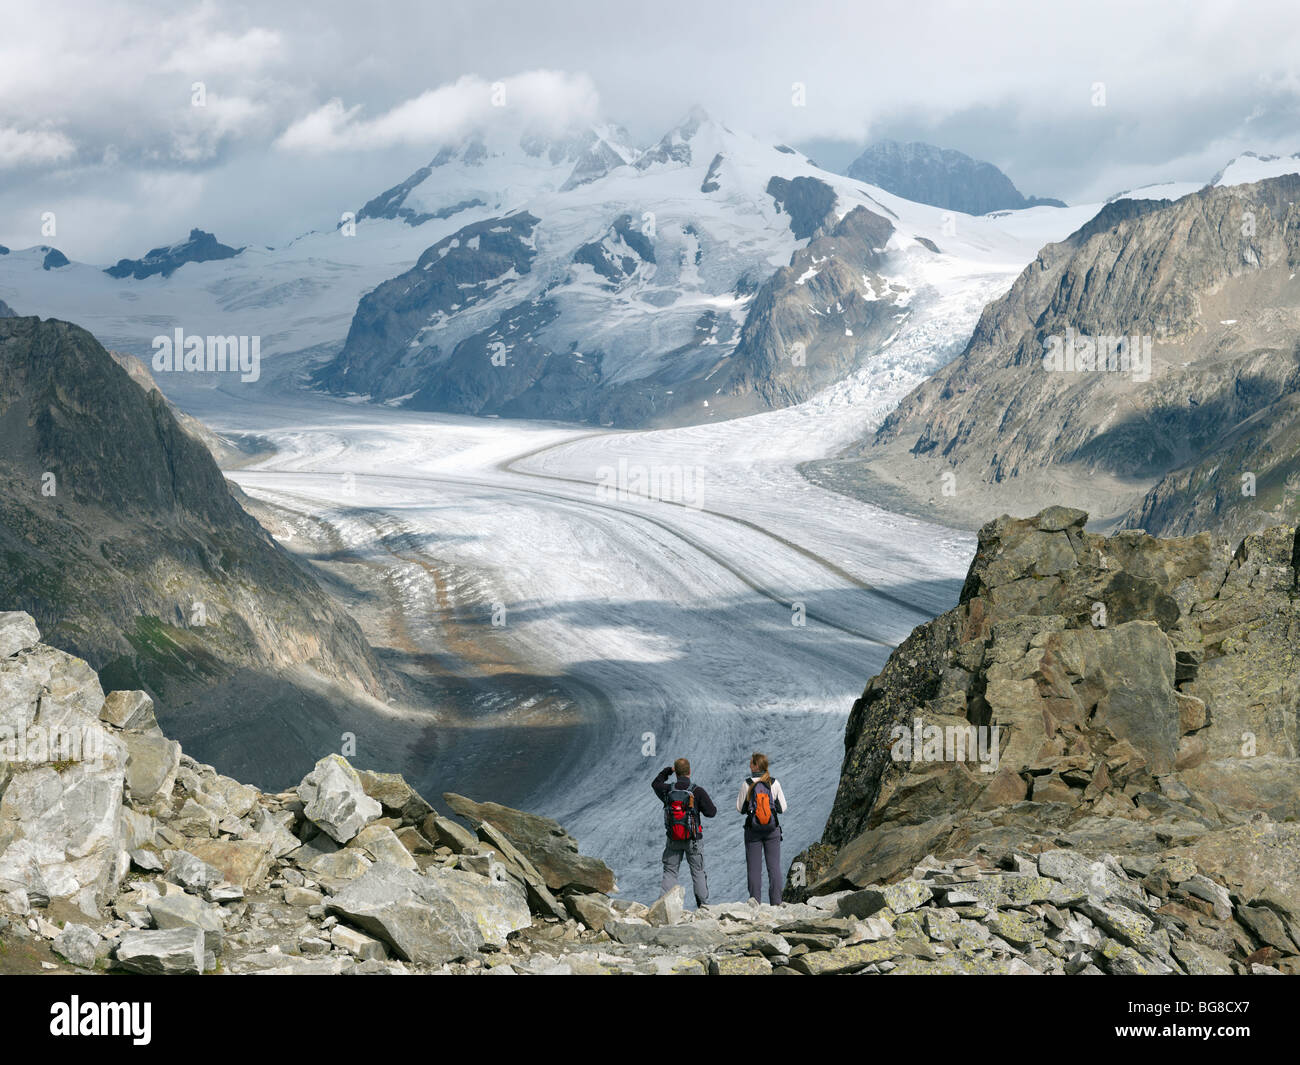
{"x":710,"y":182}
{"x":54,"y":259}
{"x":200,"y":247}
{"x":809,"y":321}
{"x":808,"y":201}
{"x":618,"y":254}
{"x":391,"y":321}
{"x":940,"y":177}
{"x":391,"y":203}
{"x":1142,"y":693}
{"x":6,"y":311}
{"x":115,"y":523}
{"x":1203,"y":284}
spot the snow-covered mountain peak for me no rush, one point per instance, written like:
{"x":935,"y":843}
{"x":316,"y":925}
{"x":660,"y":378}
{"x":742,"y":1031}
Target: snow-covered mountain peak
{"x":1250,"y":167}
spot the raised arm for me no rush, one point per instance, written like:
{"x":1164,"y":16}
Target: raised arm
{"x":660,"y":783}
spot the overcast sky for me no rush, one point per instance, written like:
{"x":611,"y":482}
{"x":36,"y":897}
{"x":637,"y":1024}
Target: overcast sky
{"x":311,"y":109}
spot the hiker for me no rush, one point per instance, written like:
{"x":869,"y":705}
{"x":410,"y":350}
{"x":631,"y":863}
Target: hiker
{"x":684,"y":802}
{"x":761,"y":800}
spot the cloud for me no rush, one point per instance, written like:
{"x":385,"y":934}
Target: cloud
{"x":543,"y":100}
{"x":33,"y":147}
{"x":202,"y":130}
{"x":209,"y":52}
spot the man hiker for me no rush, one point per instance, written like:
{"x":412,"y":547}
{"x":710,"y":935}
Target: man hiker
{"x":684,"y":803}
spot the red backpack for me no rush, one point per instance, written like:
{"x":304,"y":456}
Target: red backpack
{"x":681,"y":817}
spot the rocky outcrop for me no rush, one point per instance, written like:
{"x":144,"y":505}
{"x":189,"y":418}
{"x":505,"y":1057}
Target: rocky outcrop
{"x":811,"y":321}
{"x":345,"y":871}
{"x":941,"y":177}
{"x":1191,"y":424}
{"x":199,"y":247}
{"x":1124,"y":695}
{"x":550,"y":849}
{"x":474,"y":265}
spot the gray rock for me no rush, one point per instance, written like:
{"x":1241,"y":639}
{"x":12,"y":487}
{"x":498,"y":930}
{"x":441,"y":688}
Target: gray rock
{"x":668,"y":908}
{"x":78,"y":943}
{"x":544,"y":842}
{"x":335,"y":799}
{"x":435,"y":918}
{"x":61,"y":829}
{"x":177,"y":951}
{"x":380,"y":843}
{"x":591,"y":909}
{"x":358,"y":944}
{"x":147,"y":861}
{"x":396,"y":796}
{"x":185,"y":911}
{"x":448,"y":833}
{"x":193,"y":874}
{"x":18,"y":631}
{"x":151,"y":765}
{"x":698,"y":935}
{"x":129,"y":710}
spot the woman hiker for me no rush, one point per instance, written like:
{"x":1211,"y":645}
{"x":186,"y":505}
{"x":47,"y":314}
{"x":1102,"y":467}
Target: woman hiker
{"x":761,"y":800}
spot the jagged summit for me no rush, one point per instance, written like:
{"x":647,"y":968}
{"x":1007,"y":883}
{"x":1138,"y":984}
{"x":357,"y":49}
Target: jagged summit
{"x":198,"y":247}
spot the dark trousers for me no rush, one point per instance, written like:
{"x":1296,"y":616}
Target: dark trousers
{"x":760,"y":848}
{"x":695,"y":860}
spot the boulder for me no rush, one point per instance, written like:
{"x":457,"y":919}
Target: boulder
{"x":434,"y":918}
{"x":180,"y":910}
{"x":543,"y":841}
{"x":380,"y":843}
{"x":18,"y":632}
{"x":78,"y":943}
{"x":129,"y":710}
{"x":61,"y":830}
{"x":193,"y":874}
{"x":448,"y":833}
{"x":358,"y":944}
{"x":242,"y":862}
{"x":335,"y":800}
{"x":396,"y":796}
{"x":151,"y":765}
{"x":176,"y":951}
{"x":668,"y":908}
{"x":517,"y":865}
{"x":591,"y":909}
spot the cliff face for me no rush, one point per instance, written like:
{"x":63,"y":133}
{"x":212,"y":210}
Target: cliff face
{"x":1122,"y":693}
{"x":1205,"y":288}
{"x":1114,"y":670}
{"x":119,"y":534}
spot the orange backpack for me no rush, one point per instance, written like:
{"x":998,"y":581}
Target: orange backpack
{"x":762,"y":813}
